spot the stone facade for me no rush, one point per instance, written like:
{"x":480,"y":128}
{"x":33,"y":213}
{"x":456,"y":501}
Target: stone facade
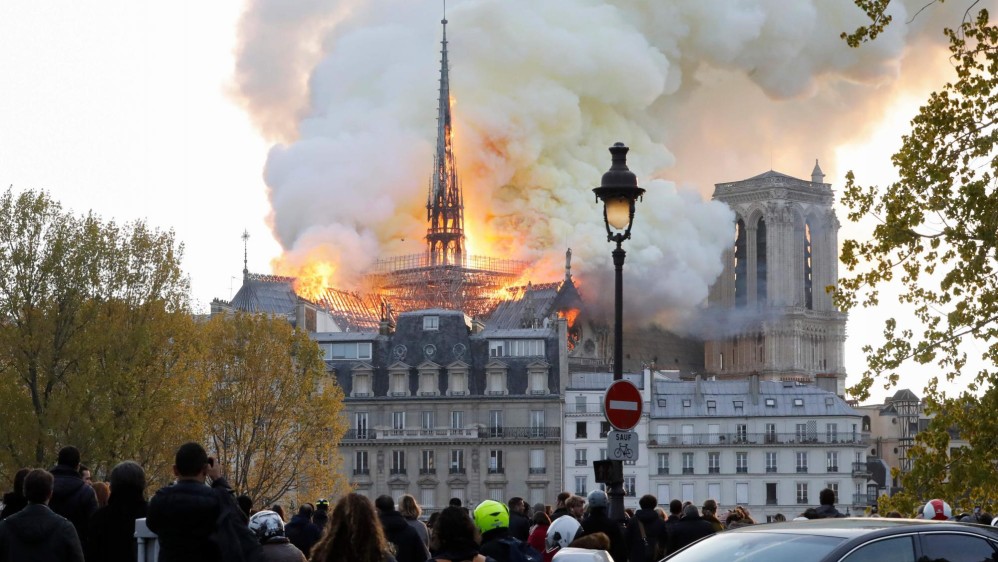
{"x":772,"y":309}
{"x":442,"y":407}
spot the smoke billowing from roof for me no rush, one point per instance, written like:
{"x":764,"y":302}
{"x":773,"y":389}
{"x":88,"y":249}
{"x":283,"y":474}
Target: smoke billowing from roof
{"x":702,"y":92}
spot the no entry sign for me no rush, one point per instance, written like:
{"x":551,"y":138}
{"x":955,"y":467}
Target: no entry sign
{"x":622,"y":405}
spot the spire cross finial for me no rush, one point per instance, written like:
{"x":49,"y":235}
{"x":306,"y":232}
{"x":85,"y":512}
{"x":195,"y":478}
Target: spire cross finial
{"x":245,"y":238}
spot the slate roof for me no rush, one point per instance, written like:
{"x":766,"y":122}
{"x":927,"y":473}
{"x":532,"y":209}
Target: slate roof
{"x":268,"y":294}
{"x":601,"y":381}
{"x":815,"y":401}
{"x":533,"y":301}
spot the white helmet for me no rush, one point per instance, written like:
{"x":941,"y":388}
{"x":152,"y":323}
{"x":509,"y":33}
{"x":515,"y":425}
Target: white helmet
{"x":562,"y":532}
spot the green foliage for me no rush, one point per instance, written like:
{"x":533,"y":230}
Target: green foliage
{"x":876,"y":10}
{"x":272,"y":411}
{"x":937,"y":235}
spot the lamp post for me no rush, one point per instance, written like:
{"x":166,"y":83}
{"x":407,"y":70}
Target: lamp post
{"x":618,"y":192}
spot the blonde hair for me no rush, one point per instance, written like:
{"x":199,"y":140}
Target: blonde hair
{"x":408,"y":507}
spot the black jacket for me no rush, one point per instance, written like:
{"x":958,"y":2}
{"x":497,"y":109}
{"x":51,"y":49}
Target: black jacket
{"x":36,"y":533}
{"x":73,"y":498}
{"x":598,"y":522}
{"x":558,"y":513}
{"x":12,"y":503}
{"x":688,"y":530}
{"x":408,"y":546}
{"x":654,"y":533}
{"x":111,"y":536}
{"x":828,"y":511}
{"x":519,"y":526}
{"x":184,"y":516}
{"x":302,"y":533}
{"x":498,"y":551}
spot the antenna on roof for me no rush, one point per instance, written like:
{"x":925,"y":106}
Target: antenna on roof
{"x":245,"y":238}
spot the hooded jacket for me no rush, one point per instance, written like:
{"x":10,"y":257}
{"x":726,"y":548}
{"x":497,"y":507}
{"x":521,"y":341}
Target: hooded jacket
{"x":36,"y":533}
{"x":73,"y":499}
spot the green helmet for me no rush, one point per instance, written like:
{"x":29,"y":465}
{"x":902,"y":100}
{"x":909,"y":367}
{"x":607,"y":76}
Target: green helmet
{"x":491,"y":514}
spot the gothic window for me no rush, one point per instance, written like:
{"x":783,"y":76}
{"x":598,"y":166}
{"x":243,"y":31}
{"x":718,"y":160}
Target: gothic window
{"x":741,"y":263}
{"x":808,"y":288}
{"x":760,"y":261}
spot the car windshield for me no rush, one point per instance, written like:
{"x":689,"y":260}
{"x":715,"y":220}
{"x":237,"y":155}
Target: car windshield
{"x":758,"y":547}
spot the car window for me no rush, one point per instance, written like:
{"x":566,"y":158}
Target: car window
{"x":896,"y":549}
{"x":951,"y":547}
{"x":758,"y":547}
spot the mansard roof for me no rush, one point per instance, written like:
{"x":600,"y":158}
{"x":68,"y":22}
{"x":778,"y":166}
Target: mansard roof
{"x":667,"y":401}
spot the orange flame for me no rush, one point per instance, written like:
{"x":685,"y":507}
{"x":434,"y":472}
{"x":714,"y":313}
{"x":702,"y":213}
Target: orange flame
{"x":571,"y":315}
{"x":313,"y":278}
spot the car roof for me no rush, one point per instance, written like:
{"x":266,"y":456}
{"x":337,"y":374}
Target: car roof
{"x":850,"y":527}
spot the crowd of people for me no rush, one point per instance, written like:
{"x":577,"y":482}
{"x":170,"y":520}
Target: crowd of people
{"x":61,"y":515}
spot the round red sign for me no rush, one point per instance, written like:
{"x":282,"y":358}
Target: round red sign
{"x":622,"y":405}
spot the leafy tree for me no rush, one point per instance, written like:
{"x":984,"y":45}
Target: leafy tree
{"x":87,"y":310}
{"x":937,"y":234}
{"x":272,"y":412}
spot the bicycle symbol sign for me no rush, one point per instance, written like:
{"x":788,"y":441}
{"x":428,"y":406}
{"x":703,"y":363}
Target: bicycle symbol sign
{"x":622,"y":446}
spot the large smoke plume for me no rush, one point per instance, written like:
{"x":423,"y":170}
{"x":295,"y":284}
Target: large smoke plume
{"x":702,"y":92}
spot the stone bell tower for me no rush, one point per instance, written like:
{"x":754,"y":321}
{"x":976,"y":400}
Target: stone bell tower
{"x":772,"y":309}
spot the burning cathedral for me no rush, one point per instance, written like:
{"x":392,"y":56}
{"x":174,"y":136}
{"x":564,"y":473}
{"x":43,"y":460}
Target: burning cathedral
{"x":455,"y":369}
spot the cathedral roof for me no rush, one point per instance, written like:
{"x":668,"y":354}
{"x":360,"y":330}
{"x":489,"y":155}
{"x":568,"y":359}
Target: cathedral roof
{"x":268,"y":294}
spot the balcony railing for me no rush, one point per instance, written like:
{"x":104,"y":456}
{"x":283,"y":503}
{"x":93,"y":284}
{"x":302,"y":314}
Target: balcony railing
{"x":864,"y":499}
{"x":687,"y":471}
{"x":581,"y":462}
{"x":801,"y":469}
{"x":456,"y":470}
{"x":361,"y":471}
{"x":760,"y":439}
{"x":713,"y":470}
{"x":741,"y":470}
{"x":416,"y":434}
{"x":427,"y":471}
{"x":859,"y":469}
{"x":771,"y":469}
{"x":400,"y":471}
{"x":663,"y":470}
{"x":498,"y":470}
{"x":771,"y":501}
{"x":538,"y":470}
{"x":802,"y":499}
{"x":833,"y":469}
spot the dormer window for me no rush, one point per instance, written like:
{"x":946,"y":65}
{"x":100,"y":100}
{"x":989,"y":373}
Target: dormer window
{"x":537,"y":377}
{"x":457,"y":379}
{"x":495,"y":378}
{"x":771,"y":402}
{"x":712,"y":406}
{"x":431,"y":322}
{"x":687,"y":403}
{"x":798,"y":402}
{"x":428,"y":375}
{"x":398,"y":380}
{"x":362,"y":377}
{"x":739,"y":405}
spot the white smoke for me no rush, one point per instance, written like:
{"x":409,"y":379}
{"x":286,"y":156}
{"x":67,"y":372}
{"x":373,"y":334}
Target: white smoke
{"x":702,"y":92}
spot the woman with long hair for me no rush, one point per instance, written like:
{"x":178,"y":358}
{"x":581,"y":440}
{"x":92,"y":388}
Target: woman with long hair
{"x":411,"y":511}
{"x":455,"y":537}
{"x":353,"y":534}
{"x":14,"y":500}
{"x":112,"y":528}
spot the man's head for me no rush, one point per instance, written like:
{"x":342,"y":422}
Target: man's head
{"x":675,"y":507}
{"x":85,"y":474}
{"x":690,"y":511}
{"x":191,"y":462}
{"x":562,"y":498}
{"x":517,"y":505}
{"x":710,"y":506}
{"x":306,"y":510}
{"x":385,"y":504}
{"x":576,"y":506}
{"x":647,"y":501}
{"x":69,"y":456}
{"x":826,"y":497}
{"x":38,"y":486}
{"x":454,"y":502}
{"x":128,"y":475}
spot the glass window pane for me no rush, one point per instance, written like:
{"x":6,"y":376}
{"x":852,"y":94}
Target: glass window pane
{"x":945,"y":547}
{"x":898,"y":549}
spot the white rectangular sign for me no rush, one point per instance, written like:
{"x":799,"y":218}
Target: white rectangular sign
{"x":622,"y":445}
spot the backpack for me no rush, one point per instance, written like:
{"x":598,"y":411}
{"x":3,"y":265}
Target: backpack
{"x":651,"y":548}
{"x":519,"y":551}
{"x":236,"y":543}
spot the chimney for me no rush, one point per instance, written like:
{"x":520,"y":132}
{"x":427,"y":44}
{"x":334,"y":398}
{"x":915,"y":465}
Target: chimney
{"x":753,"y":387}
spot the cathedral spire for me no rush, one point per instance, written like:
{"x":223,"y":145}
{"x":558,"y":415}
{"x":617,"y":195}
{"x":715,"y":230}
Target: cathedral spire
{"x":445,"y":204}
{"x":245,"y":238}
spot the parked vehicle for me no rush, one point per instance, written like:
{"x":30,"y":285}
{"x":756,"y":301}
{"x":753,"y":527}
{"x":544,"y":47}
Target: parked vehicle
{"x":848,"y":540}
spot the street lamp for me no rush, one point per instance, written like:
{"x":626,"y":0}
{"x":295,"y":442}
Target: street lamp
{"x":619,"y":192}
